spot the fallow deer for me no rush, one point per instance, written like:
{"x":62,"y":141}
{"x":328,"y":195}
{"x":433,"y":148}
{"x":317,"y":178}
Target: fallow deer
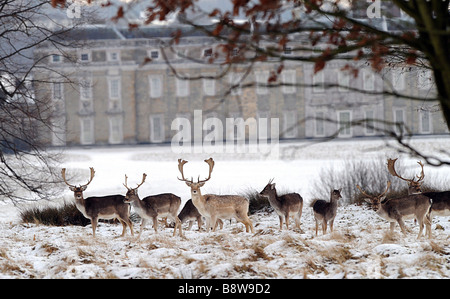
{"x":285,"y":205}
{"x":326,"y":211}
{"x":397,"y":209}
{"x":190,"y":213}
{"x":104,"y":207}
{"x":414,"y":187}
{"x":440,"y":205}
{"x":214,"y":207}
{"x":154,"y":206}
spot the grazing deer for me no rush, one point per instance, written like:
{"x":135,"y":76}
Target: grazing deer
{"x":396,"y":209}
{"x":414,"y":187}
{"x":214,"y":207}
{"x":190,"y":213}
{"x":326,"y":211}
{"x":285,"y":205}
{"x":104,"y":207}
{"x":154,"y":206}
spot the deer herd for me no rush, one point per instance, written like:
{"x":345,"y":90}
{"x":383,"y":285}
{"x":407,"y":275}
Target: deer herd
{"x":214,"y":208}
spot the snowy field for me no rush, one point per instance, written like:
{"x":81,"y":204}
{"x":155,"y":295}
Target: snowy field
{"x":360,"y":246}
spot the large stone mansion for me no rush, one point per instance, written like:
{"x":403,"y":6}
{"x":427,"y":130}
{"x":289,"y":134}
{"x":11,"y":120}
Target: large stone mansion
{"x":117,"y":95}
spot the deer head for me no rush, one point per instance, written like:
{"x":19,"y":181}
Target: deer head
{"x":195,"y":187}
{"x":375,"y":200}
{"x":268,"y":189}
{"x":78,"y":191}
{"x":132,"y":193}
{"x":414,"y":186}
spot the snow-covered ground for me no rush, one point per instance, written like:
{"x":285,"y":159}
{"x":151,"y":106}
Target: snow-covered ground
{"x":359,"y":247}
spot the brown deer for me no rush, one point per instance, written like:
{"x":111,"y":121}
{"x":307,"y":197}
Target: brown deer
{"x":214,"y":207}
{"x":285,"y":205}
{"x":397,"y":209}
{"x":326,"y":211}
{"x":190,"y":213}
{"x":414,"y":187}
{"x":154,"y":206}
{"x":104,"y":207}
{"x":440,"y":200}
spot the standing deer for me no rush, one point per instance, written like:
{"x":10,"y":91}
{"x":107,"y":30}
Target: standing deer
{"x":326,"y":211}
{"x":396,"y":209}
{"x":214,"y":207}
{"x":285,"y":205}
{"x":105,"y":207}
{"x":154,"y":206}
{"x":440,"y":200}
{"x":414,"y":187}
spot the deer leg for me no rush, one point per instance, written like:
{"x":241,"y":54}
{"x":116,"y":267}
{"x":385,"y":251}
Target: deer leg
{"x":281,"y":222}
{"x":331,"y":225}
{"x":213,"y":223}
{"x":124,"y":227}
{"x":286,"y":218}
{"x":317,"y":226}
{"x":297,"y":220}
{"x":402,"y":225}
{"x":324,"y":226}
{"x":144,"y":221}
{"x":94,"y":222}
{"x":155,"y":224}
{"x":199,"y":222}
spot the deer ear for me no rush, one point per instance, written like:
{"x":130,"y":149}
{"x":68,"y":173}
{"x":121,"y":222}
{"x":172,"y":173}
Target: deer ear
{"x":189,"y":184}
{"x":201,"y":184}
{"x":72,"y":188}
{"x":272,"y":186}
{"x":83,"y":188}
{"x":368,"y":200}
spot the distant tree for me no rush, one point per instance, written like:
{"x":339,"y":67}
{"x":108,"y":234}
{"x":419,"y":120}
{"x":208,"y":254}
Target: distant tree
{"x":26,"y":169}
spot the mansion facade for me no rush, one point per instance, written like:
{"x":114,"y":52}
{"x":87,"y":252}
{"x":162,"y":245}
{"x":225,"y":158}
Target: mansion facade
{"x":119,"y":89}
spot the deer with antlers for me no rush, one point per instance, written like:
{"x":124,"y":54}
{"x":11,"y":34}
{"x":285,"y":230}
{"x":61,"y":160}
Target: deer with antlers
{"x":214,"y":207}
{"x":397,"y":209}
{"x":154,"y":206}
{"x":414,"y":187}
{"x":104,"y":207}
{"x":440,"y":200}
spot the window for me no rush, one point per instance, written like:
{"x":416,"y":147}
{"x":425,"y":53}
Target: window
{"x":319,"y":124}
{"x":155,"y":83}
{"x":57,"y":90}
{"x":343,"y":81}
{"x":261,"y":78}
{"x":56,"y":58}
{"x":290,"y":80}
{"x":85,"y":89}
{"x":115,"y":130}
{"x":235,"y":82}
{"x":87,"y":130}
{"x":399,"y":118}
{"x":58,"y":131}
{"x":154,"y":54}
{"x":209,"y":86}
{"x":182,"y":87}
{"x":114,"y":56}
{"x":85,"y":57}
{"x":368,"y":80}
{"x":114,"y":88}
{"x":287,"y":50}
{"x":319,"y":81}
{"x":289,"y":124}
{"x":157,"y":128}
{"x":424,"y":80}
{"x":369,"y":122}
{"x":398,"y":79}
{"x":425,"y":122}
{"x":344,"y":123}
{"x":207,"y":52}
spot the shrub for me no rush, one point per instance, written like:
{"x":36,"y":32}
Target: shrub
{"x":257,"y":203}
{"x":66,"y":214}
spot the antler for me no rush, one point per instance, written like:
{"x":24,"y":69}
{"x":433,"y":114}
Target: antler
{"x":210,"y":162}
{"x":63,"y":173}
{"x":144,"y":176}
{"x":391,"y":168}
{"x":180,"y":168}
{"x":379,"y":196}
